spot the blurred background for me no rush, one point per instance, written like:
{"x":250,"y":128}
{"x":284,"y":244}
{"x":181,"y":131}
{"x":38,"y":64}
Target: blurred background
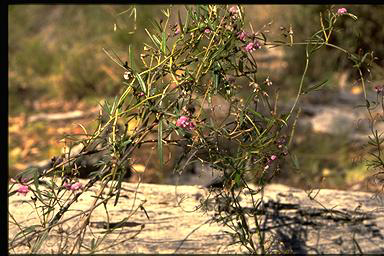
{"x":58,"y":74}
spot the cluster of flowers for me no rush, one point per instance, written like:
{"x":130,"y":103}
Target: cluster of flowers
{"x":73,"y":186}
{"x":269,"y":161}
{"x":280,"y":142}
{"x":185,"y":122}
{"x":250,"y":46}
{"x":24,"y":187}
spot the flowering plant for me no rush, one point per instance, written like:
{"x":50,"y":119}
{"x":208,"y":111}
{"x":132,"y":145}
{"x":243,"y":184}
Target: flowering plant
{"x":186,"y":67}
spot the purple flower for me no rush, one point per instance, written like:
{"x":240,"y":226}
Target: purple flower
{"x":251,"y":46}
{"x":341,"y":11}
{"x":23,"y":190}
{"x":76,"y":186}
{"x":242,"y":35}
{"x":177,"y":31}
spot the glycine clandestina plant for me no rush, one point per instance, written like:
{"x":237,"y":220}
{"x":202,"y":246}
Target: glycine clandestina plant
{"x":169,"y":95}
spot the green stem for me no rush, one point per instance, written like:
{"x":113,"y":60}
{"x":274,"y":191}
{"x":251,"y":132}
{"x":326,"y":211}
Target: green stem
{"x":300,"y":86}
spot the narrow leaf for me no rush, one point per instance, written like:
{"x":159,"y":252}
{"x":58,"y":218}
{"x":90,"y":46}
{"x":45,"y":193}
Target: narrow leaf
{"x":315,"y":87}
{"x":36,"y":183}
{"x":131,"y":60}
{"x":156,"y":40}
{"x":160,"y":143}
{"x":163,"y":42}
{"x":295,"y":161}
{"x":141,"y":82}
{"x":180,"y":23}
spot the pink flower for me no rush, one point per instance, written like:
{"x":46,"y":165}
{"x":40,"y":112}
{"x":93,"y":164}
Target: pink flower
{"x":191,"y":126}
{"x":242,"y":35}
{"x":273,"y":157}
{"x":181,"y":121}
{"x":250,"y":47}
{"x":207,"y":31}
{"x":67,"y":185}
{"x":341,"y":11}
{"x":233,"y":10}
{"x":76,"y":186}
{"x":177,"y":31}
{"x":379,"y":89}
{"x":23,"y":190}
{"x":185,"y":123}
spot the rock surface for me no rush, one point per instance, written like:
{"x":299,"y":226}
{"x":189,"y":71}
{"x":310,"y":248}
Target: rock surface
{"x":333,"y":222}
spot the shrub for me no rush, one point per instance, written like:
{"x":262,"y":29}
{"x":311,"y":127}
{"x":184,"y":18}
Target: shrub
{"x":170,"y":96}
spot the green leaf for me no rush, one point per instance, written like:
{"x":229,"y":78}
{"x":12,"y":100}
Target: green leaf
{"x":237,"y":179}
{"x":216,"y":79}
{"x":155,"y":23}
{"x":163,"y":42}
{"x":118,"y":187}
{"x":156,"y":40}
{"x":39,"y":242}
{"x":364,"y":57}
{"x":160,"y":143}
{"x":315,"y":87}
{"x":26,"y":231}
{"x":125,"y":143}
{"x":131,"y":61}
{"x":151,"y":37}
{"x":36,"y":183}
{"x":141,"y":82}
{"x":93,"y":244}
{"x":114,"y":105}
{"x":256,"y":114}
{"x":241,"y":65}
{"x":295,"y":161}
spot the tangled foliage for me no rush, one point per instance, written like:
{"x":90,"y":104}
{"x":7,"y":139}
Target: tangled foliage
{"x":169,"y":95}
{"x":358,"y":36}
